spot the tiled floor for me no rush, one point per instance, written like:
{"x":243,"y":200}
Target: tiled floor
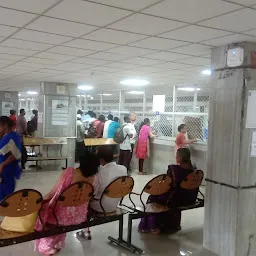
{"x":187,"y":242}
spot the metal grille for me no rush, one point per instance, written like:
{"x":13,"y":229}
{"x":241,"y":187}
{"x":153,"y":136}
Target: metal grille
{"x":181,"y":106}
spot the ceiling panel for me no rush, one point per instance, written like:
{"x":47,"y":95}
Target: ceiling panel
{"x":158,"y":43}
{"x":36,"y":6}
{"x":193,"y":49}
{"x":25,"y":64}
{"x":69,"y":66}
{"x":192,"y":10}
{"x":196,"y":61}
{"x":40,"y":37}
{"x":15,"y":18}
{"x":70,"y":51}
{"x":16,"y":51}
{"x":194,"y":33}
{"x":250,"y":32}
{"x":142,"y":61}
{"x":52,"y":71}
{"x":42,"y":61}
{"x":145,"y":24}
{"x":6,"y":31}
{"x":87,"y":12}
{"x":25,"y":44}
{"x":90,"y":61}
{"x":230,"y":39}
{"x":167,"y":56}
{"x":130,"y":51}
{"x":113,"y":36}
{"x":55,"y":56}
{"x":90,"y":45}
{"x":172,"y":65}
{"x":60,"y":27}
{"x":108,"y":56}
{"x":134,"y":5}
{"x":11,"y":57}
{"x":246,"y":18}
{"x":122,"y":65}
{"x":105,"y":69}
{"x":244,"y":2}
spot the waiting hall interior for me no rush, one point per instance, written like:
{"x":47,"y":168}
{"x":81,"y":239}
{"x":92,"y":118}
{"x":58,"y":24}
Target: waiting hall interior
{"x":128,"y":127}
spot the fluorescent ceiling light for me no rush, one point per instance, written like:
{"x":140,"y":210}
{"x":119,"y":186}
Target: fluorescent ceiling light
{"x":32,"y":93}
{"x":19,"y":94}
{"x":106,"y":94}
{"x":188,"y":89}
{"x":136,"y":92}
{"x":84,"y":87}
{"x":134,"y":82}
{"x":206,"y":72}
{"x":78,"y":95}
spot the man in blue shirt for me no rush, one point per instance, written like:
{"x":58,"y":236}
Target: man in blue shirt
{"x":113,"y":127}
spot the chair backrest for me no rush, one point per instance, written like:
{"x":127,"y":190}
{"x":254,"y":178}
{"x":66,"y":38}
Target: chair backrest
{"x":21,"y":203}
{"x":119,"y":188}
{"x":193,"y":180}
{"x":158,"y":185}
{"x":76,"y":194}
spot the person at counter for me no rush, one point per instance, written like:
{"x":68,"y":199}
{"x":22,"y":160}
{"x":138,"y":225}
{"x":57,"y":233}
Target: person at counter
{"x":181,"y":140}
{"x":142,"y":149}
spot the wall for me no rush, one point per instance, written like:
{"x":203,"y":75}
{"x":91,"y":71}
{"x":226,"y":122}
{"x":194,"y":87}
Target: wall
{"x":13,"y":98}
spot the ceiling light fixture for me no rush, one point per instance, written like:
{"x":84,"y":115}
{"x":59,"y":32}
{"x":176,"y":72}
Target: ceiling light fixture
{"x":206,"y":72}
{"x":134,"y":82}
{"x":32,"y":92}
{"x":19,"y":94}
{"x":84,"y":87}
{"x":136,"y":92}
{"x":188,"y":89}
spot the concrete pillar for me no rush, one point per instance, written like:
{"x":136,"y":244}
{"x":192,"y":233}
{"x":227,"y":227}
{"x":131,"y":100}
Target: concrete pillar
{"x":230,"y":202}
{"x":58,"y":121}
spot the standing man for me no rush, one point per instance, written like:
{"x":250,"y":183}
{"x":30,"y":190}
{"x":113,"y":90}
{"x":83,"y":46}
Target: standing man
{"x":135,"y":130}
{"x":125,"y":147}
{"x":22,"y":123}
{"x":80,"y":138}
{"x":13,"y":118}
{"x":106,"y":126}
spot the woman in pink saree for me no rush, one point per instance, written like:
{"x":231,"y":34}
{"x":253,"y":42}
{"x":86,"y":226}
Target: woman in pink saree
{"x":66,"y":215}
{"x":142,"y":148}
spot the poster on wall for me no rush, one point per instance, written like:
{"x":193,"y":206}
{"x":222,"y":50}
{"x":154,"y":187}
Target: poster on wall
{"x":40,"y":117}
{"x":60,"y":112}
{"x":6,"y":107}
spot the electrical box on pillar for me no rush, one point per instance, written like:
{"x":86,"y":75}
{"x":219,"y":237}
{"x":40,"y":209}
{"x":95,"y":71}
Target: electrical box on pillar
{"x":235,"y":57}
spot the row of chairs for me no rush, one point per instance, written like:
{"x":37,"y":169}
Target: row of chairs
{"x":28,"y":201}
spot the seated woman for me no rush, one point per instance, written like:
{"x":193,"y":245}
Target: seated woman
{"x":170,"y":221}
{"x":89,"y":164}
{"x":10,"y":154}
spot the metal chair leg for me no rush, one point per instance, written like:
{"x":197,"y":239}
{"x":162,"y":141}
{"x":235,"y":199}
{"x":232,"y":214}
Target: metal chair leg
{"x":125,"y":244}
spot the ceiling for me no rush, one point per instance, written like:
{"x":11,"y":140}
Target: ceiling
{"x":103,"y":41}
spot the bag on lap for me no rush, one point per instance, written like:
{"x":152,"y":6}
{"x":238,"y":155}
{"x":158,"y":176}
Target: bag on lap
{"x":119,"y":135}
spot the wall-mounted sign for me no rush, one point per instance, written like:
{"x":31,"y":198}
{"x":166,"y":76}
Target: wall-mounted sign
{"x":7,"y":95}
{"x":158,"y":103}
{"x":61,"y":89}
{"x":6,"y":107}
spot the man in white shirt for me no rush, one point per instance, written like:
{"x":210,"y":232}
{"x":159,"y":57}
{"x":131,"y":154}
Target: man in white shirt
{"x":133,"y":118}
{"x":108,"y":172}
{"x":125,"y":147}
{"x":107,"y":123}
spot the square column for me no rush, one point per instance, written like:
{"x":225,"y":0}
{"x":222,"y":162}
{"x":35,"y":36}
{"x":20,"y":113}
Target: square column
{"x":230,"y":202}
